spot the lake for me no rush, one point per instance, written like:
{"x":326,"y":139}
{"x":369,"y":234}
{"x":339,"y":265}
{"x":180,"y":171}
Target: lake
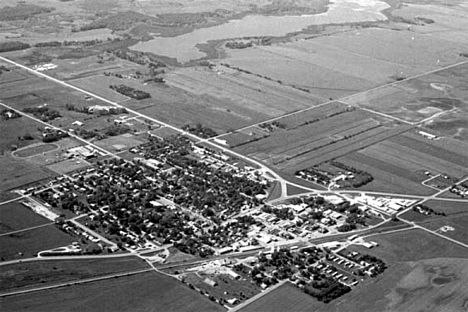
{"x":184,"y":49}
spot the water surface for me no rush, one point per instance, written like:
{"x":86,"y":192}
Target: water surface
{"x":184,"y":48}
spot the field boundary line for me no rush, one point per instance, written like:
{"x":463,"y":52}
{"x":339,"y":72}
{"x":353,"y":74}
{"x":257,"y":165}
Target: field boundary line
{"x":354,"y":94}
{"x":75,"y":282}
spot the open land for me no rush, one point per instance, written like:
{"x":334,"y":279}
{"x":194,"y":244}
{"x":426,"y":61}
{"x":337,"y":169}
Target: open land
{"x":371,"y":91}
{"x":49,"y":272}
{"x":144,"y":292}
{"x":284,"y":298}
{"x":27,"y":244}
{"x":16,"y":173}
{"x":15,"y":216}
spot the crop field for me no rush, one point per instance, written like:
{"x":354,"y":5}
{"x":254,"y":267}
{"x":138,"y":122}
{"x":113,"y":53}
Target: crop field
{"x":179,"y":108}
{"x":251,"y":94}
{"x":19,"y":88}
{"x":426,"y":285}
{"x":12,"y":130}
{"x":100,"y":85}
{"x":28,"y":243}
{"x":398,"y":163}
{"x":15,"y":216}
{"x":30,"y":274}
{"x":313,"y":138}
{"x":68,"y":69}
{"x":35,"y":149}
{"x":411,"y":245}
{"x":284,"y":298}
{"x":143,"y":292}
{"x":12,"y":76}
{"x":419,"y":98}
{"x":458,"y":222}
{"x":15,"y":173}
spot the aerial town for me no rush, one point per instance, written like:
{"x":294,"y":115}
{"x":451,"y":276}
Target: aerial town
{"x":233,"y":156}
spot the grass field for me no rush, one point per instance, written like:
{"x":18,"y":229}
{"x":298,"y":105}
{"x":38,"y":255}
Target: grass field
{"x":140,"y":293}
{"x":100,"y":85}
{"x":15,"y":173}
{"x":127,"y":140}
{"x":49,"y":272}
{"x":417,"y":99}
{"x":458,"y":222}
{"x":15,"y":216}
{"x":398,"y":164}
{"x":35,"y":150}
{"x":30,"y":242}
{"x":284,"y":298}
{"x":450,"y":208}
{"x":11,"y":130}
{"x":412,"y":245}
{"x":294,"y":190}
{"x":245,"y":91}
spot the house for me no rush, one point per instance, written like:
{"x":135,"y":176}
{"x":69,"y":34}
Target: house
{"x":77,"y":123}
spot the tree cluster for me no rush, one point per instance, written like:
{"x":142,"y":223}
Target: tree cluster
{"x":200,"y":130}
{"x":130,"y":92}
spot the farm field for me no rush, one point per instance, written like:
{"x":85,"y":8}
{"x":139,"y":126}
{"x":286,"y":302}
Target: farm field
{"x":411,"y":245}
{"x":143,"y":292}
{"x":417,"y":99}
{"x":450,"y":208}
{"x":15,"y":173}
{"x":316,"y":136}
{"x":427,"y":285}
{"x":15,"y":216}
{"x":49,"y":272}
{"x":284,"y":298}
{"x":100,"y":85}
{"x":425,"y":273}
{"x":177,"y":107}
{"x":245,"y":92}
{"x":398,"y":163}
{"x":30,"y":242}
{"x":13,"y":130}
{"x":458,"y":223}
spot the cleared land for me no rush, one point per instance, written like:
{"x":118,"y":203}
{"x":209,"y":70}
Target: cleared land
{"x":318,"y":135}
{"x":28,"y":243}
{"x":457,"y":223}
{"x":416,"y":99}
{"x":48,"y":272}
{"x":284,"y":298}
{"x":412,"y":245}
{"x":15,"y":216}
{"x":34,"y":150}
{"x":13,"y":130}
{"x":244,"y":91}
{"x":15,"y":173}
{"x":399,"y":163}
{"x":144,"y":292}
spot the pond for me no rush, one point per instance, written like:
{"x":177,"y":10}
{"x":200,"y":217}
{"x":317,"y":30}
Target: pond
{"x":184,"y":49}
